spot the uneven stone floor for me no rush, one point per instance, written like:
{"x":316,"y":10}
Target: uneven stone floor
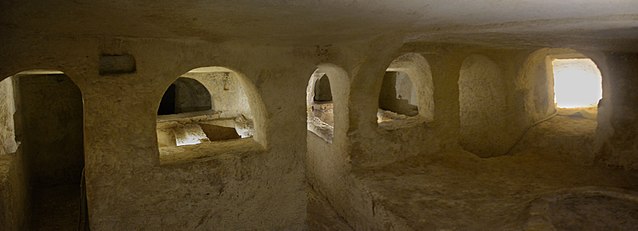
{"x":321,"y":216}
{"x":459,"y":191}
{"x":447,"y":191}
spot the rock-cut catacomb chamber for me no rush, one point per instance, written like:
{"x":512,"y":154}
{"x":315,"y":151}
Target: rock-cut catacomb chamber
{"x":319,"y":115}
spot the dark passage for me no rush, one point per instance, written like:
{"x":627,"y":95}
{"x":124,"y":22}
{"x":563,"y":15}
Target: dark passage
{"x":52,"y":122}
{"x":185,"y":95}
{"x":390,"y":100}
{"x":167,"y":106}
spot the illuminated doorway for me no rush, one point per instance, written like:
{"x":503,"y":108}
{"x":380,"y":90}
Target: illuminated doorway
{"x":577,"y":83}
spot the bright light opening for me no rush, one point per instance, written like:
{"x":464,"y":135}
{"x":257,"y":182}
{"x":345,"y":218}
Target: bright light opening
{"x":577,"y":83}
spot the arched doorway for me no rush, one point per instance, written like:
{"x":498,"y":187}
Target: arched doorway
{"x":49,"y":126}
{"x":320,"y":106}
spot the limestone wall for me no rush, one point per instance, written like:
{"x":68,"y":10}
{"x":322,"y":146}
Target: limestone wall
{"x":498,"y":120}
{"x":127,"y":188}
{"x":617,"y":133}
{"x":535,"y":85}
{"x":330,"y":166}
{"x":14,"y":192}
{"x":7,"y":110}
{"x":264,"y":187}
{"x":483,"y":107}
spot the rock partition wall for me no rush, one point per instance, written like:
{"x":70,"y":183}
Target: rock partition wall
{"x":483,"y":107}
{"x":7,"y":111}
{"x":14,"y":193}
{"x":617,"y":133}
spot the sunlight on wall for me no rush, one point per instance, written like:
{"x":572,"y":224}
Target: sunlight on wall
{"x":189,"y":134}
{"x":577,"y":83}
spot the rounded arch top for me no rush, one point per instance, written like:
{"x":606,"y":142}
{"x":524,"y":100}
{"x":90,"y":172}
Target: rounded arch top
{"x":339,"y":82}
{"x":186,"y":95}
{"x":53,"y":87}
{"x":417,"y":69}
{"x":334,"y":114}
{"x":249,"y":97}
{"x":535,"y":82}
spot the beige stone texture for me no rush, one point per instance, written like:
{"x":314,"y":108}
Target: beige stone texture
{"x":488,"y":150}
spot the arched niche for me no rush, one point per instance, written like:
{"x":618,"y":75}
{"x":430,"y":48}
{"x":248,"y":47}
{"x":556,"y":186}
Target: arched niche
{"x":537,"y":81}
{"x":407,"y":93}
{"x":219,"y":110}
{"x":326,"y":98}
{"x":482,"y":107}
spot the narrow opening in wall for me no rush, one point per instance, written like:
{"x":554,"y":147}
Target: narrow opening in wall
{"x":561,"y":89}
{"x":577,"y":83}
{"x":320,"y":106}
{"x":49,"y":125}
{"x":204,"y":106}
{"x":185,"y":95}
{"x":167,"y":106}
{"x":323,"y":94}
{"x":398,"y":97}
{"x":406,"y":96}
{"x":186,"y":98}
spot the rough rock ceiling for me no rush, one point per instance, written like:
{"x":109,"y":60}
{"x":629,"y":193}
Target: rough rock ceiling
{"x":609,"y":24}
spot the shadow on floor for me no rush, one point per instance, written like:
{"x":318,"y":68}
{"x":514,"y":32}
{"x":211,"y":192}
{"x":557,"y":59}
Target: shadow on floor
{"x":56,"y":207}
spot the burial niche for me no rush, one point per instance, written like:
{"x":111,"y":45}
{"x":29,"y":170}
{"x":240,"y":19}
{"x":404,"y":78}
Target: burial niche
{"x":406,"y":96}
{"x":209,"y":106}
